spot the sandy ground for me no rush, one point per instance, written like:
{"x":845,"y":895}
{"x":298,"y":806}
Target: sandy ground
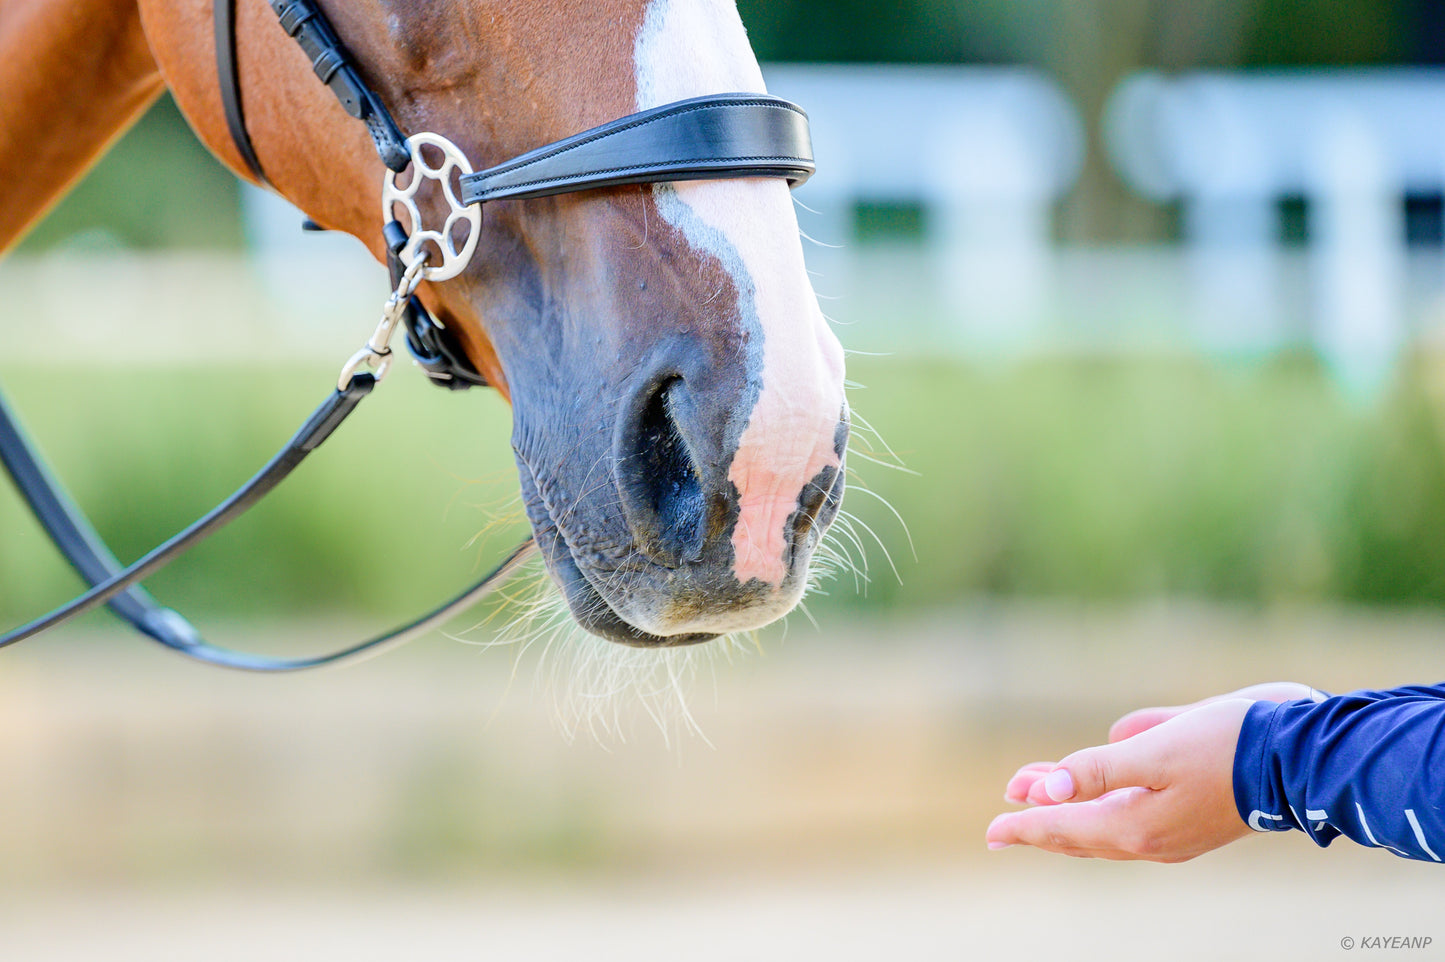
{"x":1026,"y":908}
{"x":425,"y":806}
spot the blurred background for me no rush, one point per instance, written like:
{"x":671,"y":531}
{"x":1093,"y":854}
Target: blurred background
{"x":1145,"y":297}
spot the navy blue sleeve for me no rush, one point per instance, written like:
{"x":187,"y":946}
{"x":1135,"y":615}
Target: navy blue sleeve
{"x":1369,"y":765}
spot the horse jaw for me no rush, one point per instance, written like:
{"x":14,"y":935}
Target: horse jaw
{"x":792,"y":439}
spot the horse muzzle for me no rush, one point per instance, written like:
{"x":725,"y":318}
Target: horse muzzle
{"x":668,"y":574}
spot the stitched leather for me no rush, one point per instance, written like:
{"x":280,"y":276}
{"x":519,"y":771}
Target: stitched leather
{"x":719,"y":136}
{"x":305,"y":23}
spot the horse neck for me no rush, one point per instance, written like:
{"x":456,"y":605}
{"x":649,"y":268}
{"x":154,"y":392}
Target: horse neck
{"x":75,"y":75}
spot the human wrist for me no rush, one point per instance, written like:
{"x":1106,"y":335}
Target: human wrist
{"x":1257,"y":796}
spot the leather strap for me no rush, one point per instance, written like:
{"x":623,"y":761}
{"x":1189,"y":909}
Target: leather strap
{"x":304,"y":22}
{"x":322,"y":423}
{"x":73,"y":534}
{"x":229,"y":72}
{"x":432,"y":344}
{"x":719,"y":136}
{"x":77,"y":539}
{"x":263,"y":664}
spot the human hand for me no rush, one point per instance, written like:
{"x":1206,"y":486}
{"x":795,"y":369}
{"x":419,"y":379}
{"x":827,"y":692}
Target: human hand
{"x":1163,"y":790}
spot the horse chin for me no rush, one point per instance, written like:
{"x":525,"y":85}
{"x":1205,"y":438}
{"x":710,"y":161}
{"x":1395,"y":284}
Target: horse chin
{"x":586,"y":603}
{"x":597,"y":616}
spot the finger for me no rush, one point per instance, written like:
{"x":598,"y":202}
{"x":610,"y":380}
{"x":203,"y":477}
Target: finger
{"x":1143,"y":720}
{"x":1018,"y":787}
{"x":1147,"y":718}
{"x":1279,"y":691}
{"x":1104,"y":828}
{"x":1094,"y":772}
{"x":1039,"y":791}
{"x":1038,"y":795}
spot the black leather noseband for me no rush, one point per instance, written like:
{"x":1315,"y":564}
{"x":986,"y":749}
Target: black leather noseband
{"x":727,"y":135}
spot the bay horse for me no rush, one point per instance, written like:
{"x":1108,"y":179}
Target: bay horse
{"x":680,"y":425}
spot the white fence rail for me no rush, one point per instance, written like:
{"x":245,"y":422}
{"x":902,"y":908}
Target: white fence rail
{"x":986,"y":154}
{"x":1229,"y":147}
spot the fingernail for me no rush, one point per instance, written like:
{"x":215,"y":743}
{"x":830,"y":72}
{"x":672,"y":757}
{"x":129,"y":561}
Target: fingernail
{"x":998,"y":846}
{"x":1059,"y":785}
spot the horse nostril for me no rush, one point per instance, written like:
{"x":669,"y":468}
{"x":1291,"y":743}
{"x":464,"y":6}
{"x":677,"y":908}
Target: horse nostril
{"x":662,"y":491}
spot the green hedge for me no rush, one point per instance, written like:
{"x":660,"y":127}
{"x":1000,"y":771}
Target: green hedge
{"x":1125,"y":479}
{"x":380,"y":521}
{"x":1089,"y":479}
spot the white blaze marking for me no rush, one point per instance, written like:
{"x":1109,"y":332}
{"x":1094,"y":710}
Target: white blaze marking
{"x":690,"y":48}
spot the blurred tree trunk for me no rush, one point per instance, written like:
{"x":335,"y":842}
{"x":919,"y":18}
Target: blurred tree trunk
{"x":1098,"y":43}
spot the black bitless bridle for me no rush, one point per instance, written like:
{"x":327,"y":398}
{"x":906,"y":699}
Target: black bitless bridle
{"x":719,"y":136}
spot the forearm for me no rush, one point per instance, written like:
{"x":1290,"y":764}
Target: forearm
{"x":1367,"y":765}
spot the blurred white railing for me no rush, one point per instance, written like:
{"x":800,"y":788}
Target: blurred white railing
{"x":984,"y":154}
{"x":1229,"y":147}
{"x":984,"y":151}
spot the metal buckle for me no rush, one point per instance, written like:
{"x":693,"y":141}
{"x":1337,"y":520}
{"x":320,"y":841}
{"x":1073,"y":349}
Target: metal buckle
{"x":376,"y":354}
{"x":453,"y":261}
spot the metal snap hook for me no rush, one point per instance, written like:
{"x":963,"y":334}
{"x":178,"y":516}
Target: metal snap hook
{"x":376,"y":353}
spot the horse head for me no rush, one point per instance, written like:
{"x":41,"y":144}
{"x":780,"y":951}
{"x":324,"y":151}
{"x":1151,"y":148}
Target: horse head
{"x":679,"y":415}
